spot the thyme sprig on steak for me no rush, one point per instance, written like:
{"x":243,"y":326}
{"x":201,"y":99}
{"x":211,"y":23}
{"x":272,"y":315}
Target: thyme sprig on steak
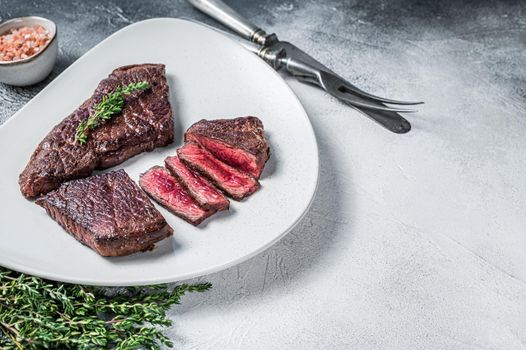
{"x":144,"y":123}
{"x":110,"y":105}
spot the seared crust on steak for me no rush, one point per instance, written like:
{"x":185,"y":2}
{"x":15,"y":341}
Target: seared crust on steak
{"x":107,"y":212}
{"x":145,"y":123}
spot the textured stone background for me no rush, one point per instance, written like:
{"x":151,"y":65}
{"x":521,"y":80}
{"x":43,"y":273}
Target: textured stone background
{"x":413,"y":242}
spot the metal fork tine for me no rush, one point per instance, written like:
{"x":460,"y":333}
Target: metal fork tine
{"x":361,"y":102}
{"x":348,"y":87}
{"x":336,"y":82}
{"x":333,"y":83}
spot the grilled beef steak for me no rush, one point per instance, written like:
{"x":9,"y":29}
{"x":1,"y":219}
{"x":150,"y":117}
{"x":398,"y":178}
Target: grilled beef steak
{"x":144,"y":124}
{"x":108,"y":212}
{"x":198,"y":187}
{"x":239,"y":142}
{"x":167,"y":191}
{"x":233,"y":182}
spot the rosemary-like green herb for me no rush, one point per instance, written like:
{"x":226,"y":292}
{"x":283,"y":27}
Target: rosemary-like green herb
{"x":37,"y":314}
{"x":109,"y":106}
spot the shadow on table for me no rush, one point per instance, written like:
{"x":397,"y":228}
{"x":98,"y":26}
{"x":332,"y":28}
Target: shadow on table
{"x":290,"y":259}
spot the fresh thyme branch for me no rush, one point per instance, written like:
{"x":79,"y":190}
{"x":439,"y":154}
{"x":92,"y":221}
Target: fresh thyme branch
{"x":109,"y":106}
{"x":36,"y":314}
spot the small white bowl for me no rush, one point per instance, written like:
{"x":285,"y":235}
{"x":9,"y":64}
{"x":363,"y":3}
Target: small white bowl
{"x":35,"y":68}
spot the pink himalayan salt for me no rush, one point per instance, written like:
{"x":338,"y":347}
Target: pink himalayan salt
{"x":23,"y":42}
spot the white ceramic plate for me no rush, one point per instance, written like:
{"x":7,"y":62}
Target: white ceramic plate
{"x":210,"y":77}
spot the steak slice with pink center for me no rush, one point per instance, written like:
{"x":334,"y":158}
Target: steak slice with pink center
{"x":197,"y":186}
{"x":168,"y":192}
{"x":239,"y":142}
{"x":233,"y":182}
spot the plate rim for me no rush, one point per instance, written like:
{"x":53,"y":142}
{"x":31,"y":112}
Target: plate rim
{"x":28,"y":269}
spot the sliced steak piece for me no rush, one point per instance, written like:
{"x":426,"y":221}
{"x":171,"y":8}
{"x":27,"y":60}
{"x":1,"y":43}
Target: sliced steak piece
{"x":144,"y":124}
{"x":233,"y":182}
{"x":197,"y":186}
{"x":239,"y":142}
{"x":167,"y":191}
{"x":108,"y":212}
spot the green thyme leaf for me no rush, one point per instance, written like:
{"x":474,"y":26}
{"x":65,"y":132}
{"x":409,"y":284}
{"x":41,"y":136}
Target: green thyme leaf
{"x":109,"y":106}
{"x":36,"y":313}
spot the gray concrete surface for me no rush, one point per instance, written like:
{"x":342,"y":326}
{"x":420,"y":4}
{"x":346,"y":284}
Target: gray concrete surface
{"x":413,"y":242}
